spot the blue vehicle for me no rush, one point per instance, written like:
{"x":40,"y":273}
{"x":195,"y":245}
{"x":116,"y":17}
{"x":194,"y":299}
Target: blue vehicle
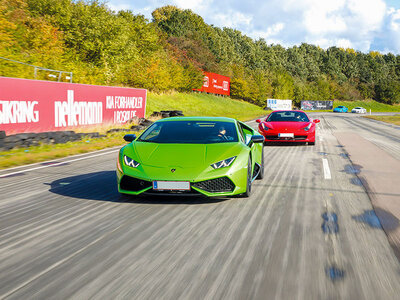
{"x":341,"y":108}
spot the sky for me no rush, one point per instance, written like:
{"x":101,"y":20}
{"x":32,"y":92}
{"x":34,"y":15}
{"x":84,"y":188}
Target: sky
{"x":364,"y":25}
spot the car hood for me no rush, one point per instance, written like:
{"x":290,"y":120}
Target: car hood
{"x":183,"y":155}
{"x":286,"y":125}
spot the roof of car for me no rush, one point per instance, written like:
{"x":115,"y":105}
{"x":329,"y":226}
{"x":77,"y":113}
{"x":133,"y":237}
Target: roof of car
{"x":288,"y":111}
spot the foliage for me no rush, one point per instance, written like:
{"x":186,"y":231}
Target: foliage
{"x":101,"y":46}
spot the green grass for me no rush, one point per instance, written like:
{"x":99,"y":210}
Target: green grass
{"x":191,"y":104}
{"x":388,"y":119}
{"x":43,"y":152}
{"x":196,"y":104}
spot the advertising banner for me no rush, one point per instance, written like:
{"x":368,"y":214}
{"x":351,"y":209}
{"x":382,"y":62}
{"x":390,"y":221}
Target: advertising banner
{"x":277,"y":104}
{"x":316,"y":105}
{"x":215,"y":84}
{"x":38,"y":106}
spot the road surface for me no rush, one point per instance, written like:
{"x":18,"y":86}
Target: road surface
{"x":308,"y":231}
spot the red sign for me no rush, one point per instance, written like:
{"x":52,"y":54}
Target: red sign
{"x":215,"y":84}
{"x":38,"y":106}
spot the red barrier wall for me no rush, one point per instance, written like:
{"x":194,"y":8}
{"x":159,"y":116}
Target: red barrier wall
{"x":216,"y":84}
{"x":38,"y":106}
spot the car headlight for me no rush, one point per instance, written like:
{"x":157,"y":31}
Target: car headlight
{"x":130,"y":162}
{"x":307,"y":128}
{"x":264,"y":127}
{"x":223,"y":163}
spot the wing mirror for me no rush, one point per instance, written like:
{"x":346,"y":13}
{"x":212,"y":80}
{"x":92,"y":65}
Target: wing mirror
{"x":258,"y":121}
{"x":257,"y":139}
{"x":316,"y":121}
{"x":130,"y":137}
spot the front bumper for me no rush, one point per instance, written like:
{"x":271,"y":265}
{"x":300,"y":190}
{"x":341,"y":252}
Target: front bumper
{"x":296,"y":138}
{"x":221,"y":184}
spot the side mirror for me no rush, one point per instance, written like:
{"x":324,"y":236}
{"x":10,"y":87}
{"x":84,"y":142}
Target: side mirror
{"x":130,"y":137}
{"x":316,"y":121}
{"x":258,"y":121}
{"x":257,"y":139}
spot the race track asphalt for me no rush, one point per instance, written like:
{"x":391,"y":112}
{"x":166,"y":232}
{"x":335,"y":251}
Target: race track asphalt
{"x":308,"y":231}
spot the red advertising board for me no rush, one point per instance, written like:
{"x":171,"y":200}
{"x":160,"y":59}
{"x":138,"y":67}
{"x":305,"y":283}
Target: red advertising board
{"x":215,"y":84}
{"x":38,"y":106}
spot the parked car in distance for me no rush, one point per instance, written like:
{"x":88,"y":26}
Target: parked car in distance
{"x":341,"y":108}
{"x":359,"y":110}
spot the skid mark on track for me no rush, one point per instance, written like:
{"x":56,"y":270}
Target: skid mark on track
{"x":330,"y":228}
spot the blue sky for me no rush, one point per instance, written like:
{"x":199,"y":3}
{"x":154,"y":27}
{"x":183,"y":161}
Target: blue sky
{"x":364,"y":25}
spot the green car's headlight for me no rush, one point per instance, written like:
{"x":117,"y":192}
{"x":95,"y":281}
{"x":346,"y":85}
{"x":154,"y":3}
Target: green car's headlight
{"x":223,"y":163}
{"x":130,"y":162}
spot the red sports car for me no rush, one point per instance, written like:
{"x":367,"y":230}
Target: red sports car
{"x":288,"y":126}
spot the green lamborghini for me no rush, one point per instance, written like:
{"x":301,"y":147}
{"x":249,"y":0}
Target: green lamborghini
{"x":191,"y":156}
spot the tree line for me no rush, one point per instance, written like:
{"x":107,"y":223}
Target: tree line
{"x":170,"y":51}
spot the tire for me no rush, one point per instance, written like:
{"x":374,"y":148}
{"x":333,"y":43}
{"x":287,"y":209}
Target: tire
{"x":311,"y":143}
{"x":261,"y":174}
{"x":249,"y":176}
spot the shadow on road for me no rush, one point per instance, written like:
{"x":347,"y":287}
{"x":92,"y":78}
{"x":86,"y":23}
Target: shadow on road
{"x":102,"y":186}
{"x":285,"y":144}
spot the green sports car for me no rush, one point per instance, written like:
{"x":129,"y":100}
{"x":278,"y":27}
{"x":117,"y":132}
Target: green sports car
{"x":191,"y":156}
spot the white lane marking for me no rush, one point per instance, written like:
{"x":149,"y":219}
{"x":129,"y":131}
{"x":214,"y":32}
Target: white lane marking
{"x":327,"y":171}
{"x":57,"y":164}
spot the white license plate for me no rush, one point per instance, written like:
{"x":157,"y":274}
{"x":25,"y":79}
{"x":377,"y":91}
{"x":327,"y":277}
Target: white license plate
{"x":171,"y":185}
{"x":291,"y":135}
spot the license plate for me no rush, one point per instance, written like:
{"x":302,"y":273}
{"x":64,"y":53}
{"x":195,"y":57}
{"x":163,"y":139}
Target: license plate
{"x":290,"y":135}
{"x":171,"y":185}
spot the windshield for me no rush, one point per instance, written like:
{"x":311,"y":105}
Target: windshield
{"x":288,"y":116}
{"x":190,"y":132}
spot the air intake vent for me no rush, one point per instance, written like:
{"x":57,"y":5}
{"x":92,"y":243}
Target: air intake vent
{"x":133,"y":184}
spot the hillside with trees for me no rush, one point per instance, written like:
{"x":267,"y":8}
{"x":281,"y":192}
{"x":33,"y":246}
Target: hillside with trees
{"x":170,"y":51}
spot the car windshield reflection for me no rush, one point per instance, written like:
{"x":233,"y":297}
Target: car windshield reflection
{"x":288,"y":116}
{"x":190,"y":132}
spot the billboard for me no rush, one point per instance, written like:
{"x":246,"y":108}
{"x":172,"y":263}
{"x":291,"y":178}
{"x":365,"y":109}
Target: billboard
{"x":215,"y":84}
{"x":38,"y":106}
{"x":277,"y":104}
{"x":316,"y":105}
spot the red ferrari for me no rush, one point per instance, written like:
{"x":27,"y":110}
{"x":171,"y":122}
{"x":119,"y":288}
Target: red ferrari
{"x":288,"y":126}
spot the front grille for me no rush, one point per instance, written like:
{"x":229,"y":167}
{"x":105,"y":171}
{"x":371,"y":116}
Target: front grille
{"x":134,"y":184}
{"x":217,"y":185}
{"x":277,"y":138}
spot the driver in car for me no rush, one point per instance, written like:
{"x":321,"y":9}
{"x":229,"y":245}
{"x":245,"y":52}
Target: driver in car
{"x":222,"y":133}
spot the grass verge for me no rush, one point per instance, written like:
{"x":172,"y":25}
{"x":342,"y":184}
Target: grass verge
{"x":43,"y":152}
{"x":196,"y":104}
{"x":192,"y":104}
{"x":388,"y":119}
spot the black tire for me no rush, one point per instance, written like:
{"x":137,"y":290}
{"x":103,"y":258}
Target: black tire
{"x":261,"y":174}
{"x":311,"y":143}
{"x":249,"y":176}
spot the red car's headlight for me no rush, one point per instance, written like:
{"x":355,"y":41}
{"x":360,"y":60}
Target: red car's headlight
{"x":264,"y":127}
{"x":308,"y":127}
